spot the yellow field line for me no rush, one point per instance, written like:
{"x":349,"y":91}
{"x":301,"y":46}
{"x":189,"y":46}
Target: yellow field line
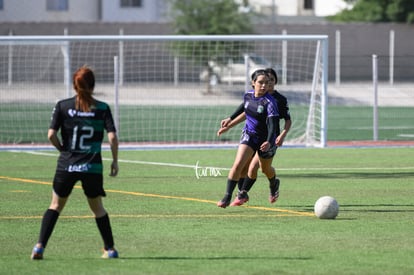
{"x":155,"y":216}
{"x":25,"y":180}
{"x":285,"y":211}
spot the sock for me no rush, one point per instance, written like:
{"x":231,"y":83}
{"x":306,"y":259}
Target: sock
{"x":274,"y":184}
{"x":49,"y":220}
{"x":231,"y":184}
{"x":248,"y":183}
{"x":104,"y":227}
{"x":240,"y":184}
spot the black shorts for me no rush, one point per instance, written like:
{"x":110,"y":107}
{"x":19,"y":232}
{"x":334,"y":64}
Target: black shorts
{"x":269,"y":153}
{"x":254,"y":143}
{"x":92,"y":184}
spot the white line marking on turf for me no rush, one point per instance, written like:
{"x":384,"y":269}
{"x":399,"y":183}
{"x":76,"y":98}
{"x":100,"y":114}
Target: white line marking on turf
{"x":167,"y":164}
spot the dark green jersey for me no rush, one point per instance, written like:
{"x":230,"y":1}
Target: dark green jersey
{"x":82,"y":135}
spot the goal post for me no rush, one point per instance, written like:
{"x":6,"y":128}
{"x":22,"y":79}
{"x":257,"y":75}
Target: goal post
{"x":166,"y":89}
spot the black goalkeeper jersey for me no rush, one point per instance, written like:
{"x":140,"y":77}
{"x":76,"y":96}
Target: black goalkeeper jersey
{"x":282,"y":105}
{"x":82,"y":135}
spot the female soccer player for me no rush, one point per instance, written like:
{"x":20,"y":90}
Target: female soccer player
{"x":249,"y":174}
{"x":259,"y":133}
{"x":82,"y":121}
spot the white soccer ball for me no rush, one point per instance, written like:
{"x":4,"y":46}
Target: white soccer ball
{"x":326,"y":207}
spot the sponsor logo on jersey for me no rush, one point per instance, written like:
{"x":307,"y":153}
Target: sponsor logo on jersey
{"x":78,"y":168}
{"x":73,"y":113}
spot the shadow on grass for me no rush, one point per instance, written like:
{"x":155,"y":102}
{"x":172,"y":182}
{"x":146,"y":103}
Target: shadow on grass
{"x":374,"y":208}
{"x":389,"y":208}
{"x":361,"y":175}
{"x":174,"y":258}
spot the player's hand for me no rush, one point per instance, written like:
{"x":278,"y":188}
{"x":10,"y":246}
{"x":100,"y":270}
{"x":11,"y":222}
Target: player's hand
{"x":114,"y":169}
{"x":279,"y":141}
{"x":222,"y":130}
{"x":265,"y":146}
{"x":225,"y":122}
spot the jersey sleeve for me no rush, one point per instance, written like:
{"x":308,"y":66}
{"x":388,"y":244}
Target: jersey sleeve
{"x":238,"y":111}
{"x":272,"y":108}
{"x":282,"y":104}
{"x":273,"y":129}
{"x":284,"y":109}
{"x":56,"y":120}
{"x":109,"y":120}
{"x":286,"y":115}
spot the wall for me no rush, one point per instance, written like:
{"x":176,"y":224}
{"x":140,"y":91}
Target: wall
{"x":32,"y":11}
{"x":358,"y":42}
{"x":151,"y":11}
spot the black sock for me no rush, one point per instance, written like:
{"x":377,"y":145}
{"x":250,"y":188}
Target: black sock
{"x":104,"y":227}
{"x":274,"y":184}
{"x":248,"y":183}
{"x":231,"y":184}
{"x":49,"y":220}
{"x":240,"y":184}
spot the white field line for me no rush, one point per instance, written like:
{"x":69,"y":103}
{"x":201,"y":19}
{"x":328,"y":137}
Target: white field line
{"x":196,"y":166}
{"x":281,"y":212}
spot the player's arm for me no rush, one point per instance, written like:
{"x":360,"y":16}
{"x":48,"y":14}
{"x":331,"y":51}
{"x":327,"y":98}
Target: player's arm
{"x":283,"y":134}
{"x":54,"y":140}
{"x":113,"y":142}
{"x":272,"y":132}
{"x":241,"y":117}
{"x":236,"y":113}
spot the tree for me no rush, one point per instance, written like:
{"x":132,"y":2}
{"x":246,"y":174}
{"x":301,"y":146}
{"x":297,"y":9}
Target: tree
{"x":401,"y":11}
{"x":378,"y":11}
{"x":209,"y":17}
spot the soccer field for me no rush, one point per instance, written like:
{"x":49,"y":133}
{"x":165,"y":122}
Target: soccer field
{"x":165,"y":219}
{"x":182,"y":124}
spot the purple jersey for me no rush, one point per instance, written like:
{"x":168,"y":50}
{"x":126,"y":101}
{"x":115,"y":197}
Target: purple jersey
{"x":258,"y":110}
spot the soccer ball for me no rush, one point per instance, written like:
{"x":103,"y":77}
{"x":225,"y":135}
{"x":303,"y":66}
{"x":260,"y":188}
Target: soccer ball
{"x":326,"y":207}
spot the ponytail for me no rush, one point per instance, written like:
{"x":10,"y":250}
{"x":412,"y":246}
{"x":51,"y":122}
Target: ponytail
{"x":84,"y":83}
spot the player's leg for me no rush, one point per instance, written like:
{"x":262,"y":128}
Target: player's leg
{"x":270,"y":172}
{"x":252,"y":173}
{"x":243,"y":176}
{"x":250,"y":179}
{"x":266,"y":159}
{"x":243,"y":156}
{"x":274,"y":184}
{"x":62,"y":187}
{"x":104,"y":226}
{"x":93,"y":189}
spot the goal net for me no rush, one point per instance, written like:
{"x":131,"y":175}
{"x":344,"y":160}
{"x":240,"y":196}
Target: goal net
{"x":163,"y":90}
